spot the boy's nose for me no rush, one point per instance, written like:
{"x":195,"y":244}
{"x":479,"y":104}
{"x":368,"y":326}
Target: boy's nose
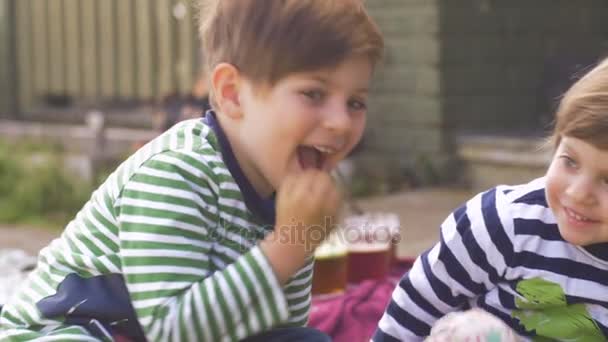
{"x":338,"y":119}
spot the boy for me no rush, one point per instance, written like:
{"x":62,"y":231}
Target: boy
{"x":182,"y":242}
{"x":534,"y":255}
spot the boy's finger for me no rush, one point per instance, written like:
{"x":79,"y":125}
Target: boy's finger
{"x":285,"y":182}
{"x":319,"y":181}
{"x":309,"y":180}
{"x":288,"y":184}
{"x":325,"y":186}
{"x":333,"y":201}
{"x":299,"y":186}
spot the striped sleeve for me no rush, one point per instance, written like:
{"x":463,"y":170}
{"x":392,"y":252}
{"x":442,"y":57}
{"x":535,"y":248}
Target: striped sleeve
{"x":298,"y":295}
{"x":461,"y":266}
{"x":167,"y":217}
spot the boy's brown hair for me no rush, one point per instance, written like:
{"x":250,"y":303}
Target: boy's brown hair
{"x":583,"y":111}
{"x":268,"y":39}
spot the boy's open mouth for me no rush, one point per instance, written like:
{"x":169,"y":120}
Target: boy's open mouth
{"x":312,"y":156}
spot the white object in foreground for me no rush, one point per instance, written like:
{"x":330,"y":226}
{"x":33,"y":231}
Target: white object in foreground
{"x":14,"y":268}
{"x":471,"y":325}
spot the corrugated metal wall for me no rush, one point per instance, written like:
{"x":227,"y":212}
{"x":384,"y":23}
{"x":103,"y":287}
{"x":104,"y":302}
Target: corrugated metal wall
{"x":99,"y":50}
{"x":7,"y":76}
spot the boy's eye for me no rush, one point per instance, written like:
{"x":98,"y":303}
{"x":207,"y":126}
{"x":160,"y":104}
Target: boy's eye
{"x":357,"y":105}
{"x":314,"y":95}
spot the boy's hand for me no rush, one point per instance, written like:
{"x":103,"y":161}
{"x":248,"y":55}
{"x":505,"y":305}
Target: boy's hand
{"x":307,"y":206}
{"x":308,"y":202}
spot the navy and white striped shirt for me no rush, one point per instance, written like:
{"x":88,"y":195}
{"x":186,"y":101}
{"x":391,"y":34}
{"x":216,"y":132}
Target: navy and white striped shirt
{"x":502,"y":252}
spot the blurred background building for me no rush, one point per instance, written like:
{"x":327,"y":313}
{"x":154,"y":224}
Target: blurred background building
{"x":466,"y":91}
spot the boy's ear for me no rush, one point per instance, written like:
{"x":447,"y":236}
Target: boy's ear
{"x":226,"y":82}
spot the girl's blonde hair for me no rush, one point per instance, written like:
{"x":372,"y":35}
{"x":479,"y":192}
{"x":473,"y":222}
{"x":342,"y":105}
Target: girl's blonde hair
{"x":583,"y":111}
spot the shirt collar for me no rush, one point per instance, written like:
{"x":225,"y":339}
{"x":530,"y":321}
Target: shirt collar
{"x":599,"y":250}
{"x":262,"y":208}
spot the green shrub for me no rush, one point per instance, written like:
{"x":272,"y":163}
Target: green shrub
{"x":34,"y":188}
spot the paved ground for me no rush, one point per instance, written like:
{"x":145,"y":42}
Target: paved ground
{"x":30,"y":239}
{"x":420,"y":211}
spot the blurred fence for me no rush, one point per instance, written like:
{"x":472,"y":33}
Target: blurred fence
{"x":96,"y":50}
{"x":7,"y":96}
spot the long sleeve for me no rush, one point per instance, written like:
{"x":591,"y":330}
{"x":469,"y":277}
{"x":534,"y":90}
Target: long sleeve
{"x":172,"y":225}
{"x":451,"y":275}
{"x":169,"y":240}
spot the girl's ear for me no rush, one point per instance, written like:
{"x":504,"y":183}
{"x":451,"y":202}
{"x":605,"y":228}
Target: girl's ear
{"x":226,"y":82}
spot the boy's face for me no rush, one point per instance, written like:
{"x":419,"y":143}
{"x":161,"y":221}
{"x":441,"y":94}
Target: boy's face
{"x":577,"y":191}
{"x":306,"y":120}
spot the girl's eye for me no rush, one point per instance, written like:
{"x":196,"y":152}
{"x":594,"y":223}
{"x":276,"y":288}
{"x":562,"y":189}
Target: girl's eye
{"x":357,"y":105}
{"x":569,"y":162}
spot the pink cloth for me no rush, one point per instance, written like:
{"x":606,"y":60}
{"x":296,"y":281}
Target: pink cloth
{"x":352,"y":316}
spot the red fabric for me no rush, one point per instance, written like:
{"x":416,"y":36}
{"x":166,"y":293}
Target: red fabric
{"x":353,"y":315}
{"x":121,"y":338}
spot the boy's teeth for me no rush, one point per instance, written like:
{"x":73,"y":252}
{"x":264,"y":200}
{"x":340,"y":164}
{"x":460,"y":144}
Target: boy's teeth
{"x":324,"y":149}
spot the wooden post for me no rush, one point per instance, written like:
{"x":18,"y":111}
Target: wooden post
{"x":96,"y":122}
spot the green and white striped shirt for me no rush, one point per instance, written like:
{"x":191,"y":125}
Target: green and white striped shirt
{"x":173,"y":222}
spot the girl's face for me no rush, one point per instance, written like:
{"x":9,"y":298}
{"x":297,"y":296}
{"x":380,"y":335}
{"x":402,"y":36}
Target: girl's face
{"x":577,"y":191}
